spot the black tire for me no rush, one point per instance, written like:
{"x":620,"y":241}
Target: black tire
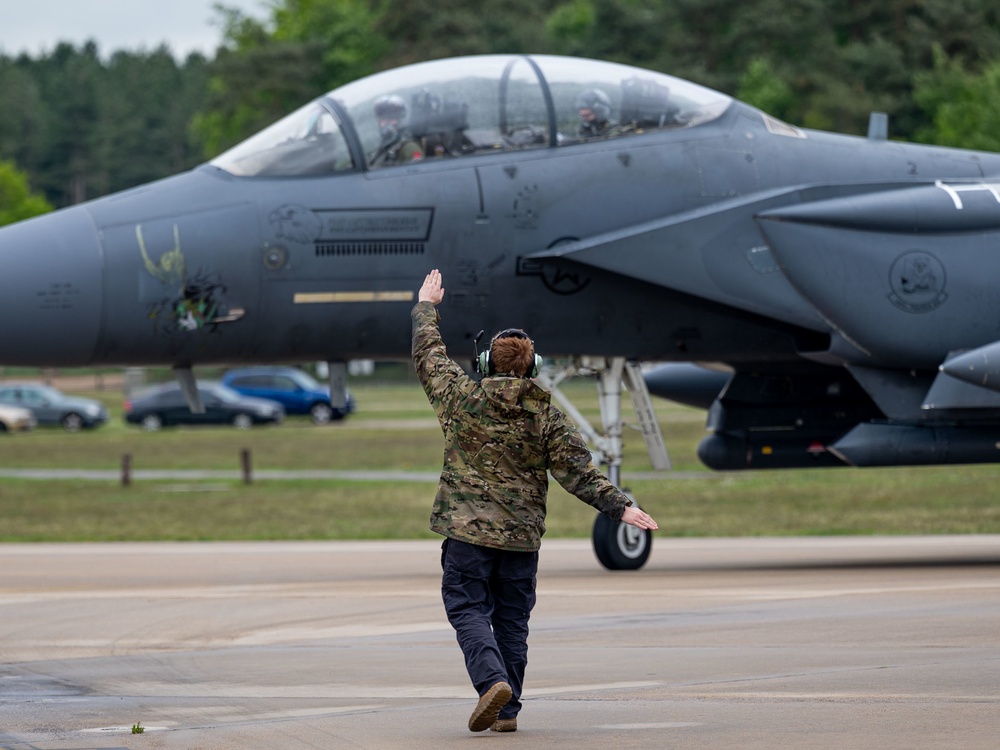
{"x":242,"y":421}
{"x":619,"y":546}
{"x":321,"y":413}
{"x":72,"y":422}
{"x":151,"y":423}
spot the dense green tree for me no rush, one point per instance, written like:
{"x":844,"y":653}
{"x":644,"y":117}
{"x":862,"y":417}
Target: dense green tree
{"x":81,"y":124}
{"x":344,"y":32}
{"x":71,"y":83}
{"x":419,"y":30}
{"x":964,"y":107}
{"x":147,"y":105}
{"x":762,"y":88}
{"x":17,"y":202}
{"x":265,"y":70}
{"x":23,"y":119}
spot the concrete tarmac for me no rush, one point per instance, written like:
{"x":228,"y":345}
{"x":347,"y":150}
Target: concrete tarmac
{"x":745,"y":643}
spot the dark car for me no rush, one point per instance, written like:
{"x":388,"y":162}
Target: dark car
{"x":295,"y":389}
{"x":52,"y":406}
{"x":165,"y":405}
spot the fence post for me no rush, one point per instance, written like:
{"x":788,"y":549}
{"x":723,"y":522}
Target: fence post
{"x":245,"y":465}
{"x":126,"y":469}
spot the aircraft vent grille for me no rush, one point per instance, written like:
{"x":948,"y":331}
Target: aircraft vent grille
{"x":340,"y":249}
{"x":777,"y":127}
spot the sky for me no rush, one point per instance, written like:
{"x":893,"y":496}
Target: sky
{"x":36,"y":26}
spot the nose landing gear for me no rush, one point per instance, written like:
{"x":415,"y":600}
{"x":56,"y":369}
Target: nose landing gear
{"x":618,"y":546}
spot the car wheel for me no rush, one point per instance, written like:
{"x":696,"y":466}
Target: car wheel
{"x":72,"y":422}
{"x":321,"y":413}
{"x":619,"y":546}
{"x":242,"y":421}
{"x":151,"y":422}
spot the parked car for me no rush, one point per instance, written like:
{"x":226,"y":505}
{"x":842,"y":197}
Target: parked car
{"x":52,"y":406}
{"x":16,"y":419}
{"x":164,"y":405}
{"x":296,"y":390}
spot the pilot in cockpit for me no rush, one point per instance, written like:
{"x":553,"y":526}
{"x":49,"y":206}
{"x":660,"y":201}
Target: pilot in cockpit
{"x":594,"y":108}
{"x":397,"y":145}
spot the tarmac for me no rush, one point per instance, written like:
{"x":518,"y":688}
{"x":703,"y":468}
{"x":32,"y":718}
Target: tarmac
{"x":874,"y":642}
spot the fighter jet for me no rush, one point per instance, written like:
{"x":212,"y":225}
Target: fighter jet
{"x":619,"y":215}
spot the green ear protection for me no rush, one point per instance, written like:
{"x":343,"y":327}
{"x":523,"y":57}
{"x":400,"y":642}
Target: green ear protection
{"x":484,"y":362}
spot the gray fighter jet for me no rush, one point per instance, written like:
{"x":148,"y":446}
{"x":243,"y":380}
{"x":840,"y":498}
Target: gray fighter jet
{"x":844,"y":283}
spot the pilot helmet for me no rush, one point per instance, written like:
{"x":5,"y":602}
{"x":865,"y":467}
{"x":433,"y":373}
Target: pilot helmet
{"x":597,"y":102}
{"x":390,"y":112}
{"x":390,"y":107}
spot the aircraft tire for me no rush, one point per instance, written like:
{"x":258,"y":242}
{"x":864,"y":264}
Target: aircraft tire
{"x":619,"y":546}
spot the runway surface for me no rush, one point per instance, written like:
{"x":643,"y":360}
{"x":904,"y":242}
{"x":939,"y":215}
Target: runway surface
{"x":746,"y":643}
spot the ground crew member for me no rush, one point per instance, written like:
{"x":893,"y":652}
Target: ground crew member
{"x":502,"y":436}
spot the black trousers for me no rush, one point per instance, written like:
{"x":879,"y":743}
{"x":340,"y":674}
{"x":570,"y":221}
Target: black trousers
{"x":488,"y":596}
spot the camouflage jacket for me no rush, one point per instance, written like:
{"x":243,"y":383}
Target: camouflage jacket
{"x":502,"y":438}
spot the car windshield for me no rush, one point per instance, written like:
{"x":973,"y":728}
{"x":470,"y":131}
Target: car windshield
{"x":45,"y":392}
{"x":306,"y":381}
{"x":223,"y":393}
{"x":473,"y":105}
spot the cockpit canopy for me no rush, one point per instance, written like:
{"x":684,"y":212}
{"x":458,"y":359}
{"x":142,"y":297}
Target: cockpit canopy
{"x":471,"y":105}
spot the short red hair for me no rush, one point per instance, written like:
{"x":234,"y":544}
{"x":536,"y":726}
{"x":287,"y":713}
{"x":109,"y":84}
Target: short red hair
{"x":513,"y":354}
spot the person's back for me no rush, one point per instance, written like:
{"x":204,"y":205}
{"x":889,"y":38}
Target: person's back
{"x":502,"y":437}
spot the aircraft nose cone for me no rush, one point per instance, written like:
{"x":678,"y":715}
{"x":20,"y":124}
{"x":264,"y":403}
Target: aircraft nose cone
{"x":50,"y":290}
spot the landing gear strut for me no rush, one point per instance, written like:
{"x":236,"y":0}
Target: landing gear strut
{"x":618,"y":546}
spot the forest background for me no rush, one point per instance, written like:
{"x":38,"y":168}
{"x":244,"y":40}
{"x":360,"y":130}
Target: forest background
{"x":79,"y":122}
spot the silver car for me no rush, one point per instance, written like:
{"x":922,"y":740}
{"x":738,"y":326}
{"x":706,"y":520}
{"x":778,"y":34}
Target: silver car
{"x":16,"y":419}
{"x":52,"y":406}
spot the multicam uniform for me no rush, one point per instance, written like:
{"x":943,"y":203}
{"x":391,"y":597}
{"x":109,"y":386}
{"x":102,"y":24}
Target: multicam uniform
{"x":502,"y":436}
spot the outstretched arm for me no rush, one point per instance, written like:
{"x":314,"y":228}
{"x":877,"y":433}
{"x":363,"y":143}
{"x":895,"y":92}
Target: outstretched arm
{"x":431,"y":290}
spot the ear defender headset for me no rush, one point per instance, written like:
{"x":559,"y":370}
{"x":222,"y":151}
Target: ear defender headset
{"x":484,"y":360}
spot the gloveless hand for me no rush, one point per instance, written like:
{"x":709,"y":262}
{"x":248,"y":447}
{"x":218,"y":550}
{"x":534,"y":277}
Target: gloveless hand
{"x":431,"y":290}
{"x":638,"y":518}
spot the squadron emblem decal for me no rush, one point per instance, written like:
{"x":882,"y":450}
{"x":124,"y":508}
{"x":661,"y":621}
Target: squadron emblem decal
{"x":295,"y":223}
{"x":917,"y":280}
{"x":556,"y":280}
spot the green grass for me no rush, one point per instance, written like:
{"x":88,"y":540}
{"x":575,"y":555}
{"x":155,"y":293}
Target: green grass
{"x":394,"y":428}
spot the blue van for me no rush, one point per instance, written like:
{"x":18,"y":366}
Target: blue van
{"x":296,"y":390}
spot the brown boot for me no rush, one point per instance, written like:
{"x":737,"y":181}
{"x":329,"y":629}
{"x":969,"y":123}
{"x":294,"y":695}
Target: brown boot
{"x":488,"y":708}
{"x":504,"y":725}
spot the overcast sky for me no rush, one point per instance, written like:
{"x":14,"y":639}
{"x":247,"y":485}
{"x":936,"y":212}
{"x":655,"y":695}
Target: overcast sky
{"x":36,"y":26}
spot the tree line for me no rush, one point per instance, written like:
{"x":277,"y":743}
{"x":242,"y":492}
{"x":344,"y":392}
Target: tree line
{"x":76,"y":124}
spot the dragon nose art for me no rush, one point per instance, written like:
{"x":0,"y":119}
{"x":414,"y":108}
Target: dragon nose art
{"x":50,"y":290}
